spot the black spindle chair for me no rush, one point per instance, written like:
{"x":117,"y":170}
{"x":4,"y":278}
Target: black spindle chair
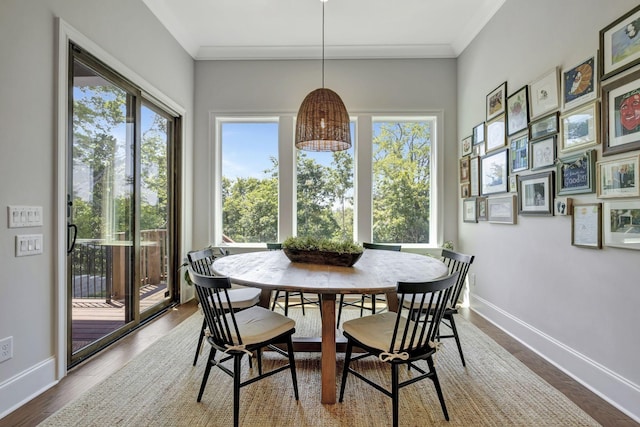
{"x":361,"y":304}
{"x":241,"y":297}
{"x":397,"y":340}
{"x":456,"y":262}
{"x":287,"y":294}
{"x":236,"y":334}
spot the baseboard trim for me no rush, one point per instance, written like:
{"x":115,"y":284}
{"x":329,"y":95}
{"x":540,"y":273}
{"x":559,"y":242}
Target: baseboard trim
{"x":18,"y":390}
{"x":610,"y":386}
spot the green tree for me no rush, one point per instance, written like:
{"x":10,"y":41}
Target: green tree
{"x":315,"y":199}
{"x":153,"y":170}
{"x":97,"y":111}
{"x":341,"y":182}
{"x":250,"y":207}
{"x":402,"y":182}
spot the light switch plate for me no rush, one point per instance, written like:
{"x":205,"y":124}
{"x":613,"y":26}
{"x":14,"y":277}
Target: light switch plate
{"x":29,"y":244}
{"x":24,"y":216}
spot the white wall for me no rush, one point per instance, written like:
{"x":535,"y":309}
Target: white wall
{"x":577,"y":307}
{"x":129,"y":32}
{"x":365,"y":86}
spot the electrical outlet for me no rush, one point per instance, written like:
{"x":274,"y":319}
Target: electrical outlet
{"x":6,"y":349}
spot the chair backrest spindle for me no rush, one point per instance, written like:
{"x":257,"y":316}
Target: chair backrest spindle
{"x":456,"y":261}
{"x":430,"y":299}
{"x":214,"y":297}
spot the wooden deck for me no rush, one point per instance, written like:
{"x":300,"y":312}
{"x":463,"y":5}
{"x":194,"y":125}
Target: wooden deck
{"x":93,"y":319}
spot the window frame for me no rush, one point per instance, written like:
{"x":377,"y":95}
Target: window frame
{"x":363,"y":174}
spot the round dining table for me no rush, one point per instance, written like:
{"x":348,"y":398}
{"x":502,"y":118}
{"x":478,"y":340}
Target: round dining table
{"x":376,"y":272}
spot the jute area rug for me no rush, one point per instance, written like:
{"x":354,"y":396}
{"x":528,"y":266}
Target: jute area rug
{"x":159,"y":388}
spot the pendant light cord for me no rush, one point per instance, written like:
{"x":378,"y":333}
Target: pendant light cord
{"x":323,"y":44}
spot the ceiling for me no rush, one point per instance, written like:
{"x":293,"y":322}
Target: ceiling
{"x":292,"y":29}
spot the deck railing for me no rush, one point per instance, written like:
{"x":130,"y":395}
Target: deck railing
{"x":98,"y":269}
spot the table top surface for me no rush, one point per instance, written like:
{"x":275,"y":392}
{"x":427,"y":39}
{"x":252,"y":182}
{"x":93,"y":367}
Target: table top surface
{"x":377,"y":271}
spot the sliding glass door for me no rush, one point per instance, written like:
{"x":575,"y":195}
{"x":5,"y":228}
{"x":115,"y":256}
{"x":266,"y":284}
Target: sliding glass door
{"x":121,"y":229}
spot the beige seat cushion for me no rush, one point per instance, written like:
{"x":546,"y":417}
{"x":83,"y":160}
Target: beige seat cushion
{"x":243,"y":297}
{"x":257,"y":324}
{"x":376,"y":331}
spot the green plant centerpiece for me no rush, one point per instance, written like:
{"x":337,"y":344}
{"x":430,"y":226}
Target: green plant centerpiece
{"x":313,"y":250}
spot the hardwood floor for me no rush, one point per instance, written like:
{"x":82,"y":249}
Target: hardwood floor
{"x":94,"y":370}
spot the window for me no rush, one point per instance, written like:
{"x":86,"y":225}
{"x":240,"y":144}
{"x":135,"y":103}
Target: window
{"x":325,"y":193}
{"x":402,"y":180}
{"x":383,"y":189}
{"x":249,"y":181}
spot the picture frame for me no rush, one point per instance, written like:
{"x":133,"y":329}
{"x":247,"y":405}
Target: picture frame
{"x":544,"y":126}
{"x":502,"y":209}
{"x":579,"y":128}
{"x":619,"y":47}
{"x":469,"y":210}
{"x":482,"y":208}
{"x":543,"y":94}
{"x":518,"y":111}
{"x":478,"y":134}
{"x":466,"y":146}
{"x":465,"y":190}
{"x":474,"y":176}
{"x":563,"y":206}
{"x":464,"y":169}
{"x":496,"y":135}
{"x":621,"y":224}
{"x":620,"y":119}
{"x":579,"y":83}
{"x":519,"y":153}
{"x":618,"y":177}
{"x":513,"y":183}
{"x":586,"y":226}
{"x":494,"y":172}
{"x":536,"y":194}
{"x":575,"y":174}
{"x":543,"y":153}
{"x":496,"y":101}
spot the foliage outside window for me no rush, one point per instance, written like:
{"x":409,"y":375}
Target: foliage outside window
{"x":402,"y":152}
{"x":323,"y":200}
{"x":249,"y":181}
{"x":325,"y":194}
{"x":101,"y":201}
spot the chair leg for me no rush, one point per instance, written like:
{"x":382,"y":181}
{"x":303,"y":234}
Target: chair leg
{"x":455,"y":335}
{"x":302,"y":302}
{"x":395,"y":390}
{"x":236,"y":388}
{"x":275,"y":299}
{"x":339,"y":309}
{"x":436,"y":383}
{"x":292,"y":366}
{"x":200,"y":338}
{"x":373,"y":303}
{"x":345,"y":369}
{"x":210,"y":362}
{"x":362,"y":306}
{"x":286,"y":303}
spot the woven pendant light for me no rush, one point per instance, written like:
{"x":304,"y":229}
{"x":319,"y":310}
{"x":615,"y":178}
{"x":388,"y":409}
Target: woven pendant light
{"x":323,"y":122}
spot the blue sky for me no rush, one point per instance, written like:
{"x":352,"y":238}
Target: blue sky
{"x":247,"y":147}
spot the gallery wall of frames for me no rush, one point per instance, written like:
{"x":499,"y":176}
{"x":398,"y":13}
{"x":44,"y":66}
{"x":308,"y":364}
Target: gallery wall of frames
{"x":572,"y":131}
